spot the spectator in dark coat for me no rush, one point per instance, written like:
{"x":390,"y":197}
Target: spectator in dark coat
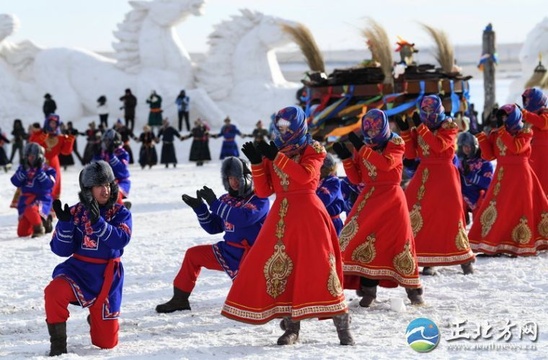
{"x":167,"y":135}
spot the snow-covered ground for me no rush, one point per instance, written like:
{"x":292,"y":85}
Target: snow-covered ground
{"x":502,"y":290}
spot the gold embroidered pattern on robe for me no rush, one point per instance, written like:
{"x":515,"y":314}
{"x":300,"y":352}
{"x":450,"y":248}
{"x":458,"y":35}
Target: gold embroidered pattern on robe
{"x":365,"y":252}
{"x":351,"y":228}
{"x":284,"y":178}
{"x":500,"y":175}
{"x":461,"y":240}
{"x":279,"y":266}
{"x":415,"y":214}
{"x":543,"y":225}
{"x":372,"y":170}
{"x":488,"y":218}
{"x":501,"y":146}
{"x":404,"y":261}
{"x":423,"y":145}
{"x":521,"y":233}
{"x":51,"y":142}
{"x":333,"y":282}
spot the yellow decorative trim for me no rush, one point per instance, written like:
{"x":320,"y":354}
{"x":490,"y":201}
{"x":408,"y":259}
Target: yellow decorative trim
{"x":351,"y":228}
{"x":284,"y":178}
{"x":500,"y":175}
{"x":488,"y":218}
{"x":371,"y":169}
{"x":365,"y":253}
{"x":543,"y":225}
{"x":416,"y":219}
{"x":422,"y":188}
{"x":397,"y":140}
{"x":404,"y":261}
{"x":279,"y":266}
{"x":318,"y":147}
{"x":501,"y":146}
{"x":522,"y":234}
{"x":333,"y":282}
{"x":461,"y":240}
{"x":423,"y":145}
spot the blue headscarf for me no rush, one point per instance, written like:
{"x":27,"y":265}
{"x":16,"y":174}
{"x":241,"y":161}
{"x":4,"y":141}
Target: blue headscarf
{"x":296,"y":137}
{"x":512,"y":118}
{"x":376,"y":123}
{"x":534,"y":99}
{"x":48,"y":129}
{"x":432,"y":112}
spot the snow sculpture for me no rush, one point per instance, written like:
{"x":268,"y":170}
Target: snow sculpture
{"x":241,"y":72}
{"x":149,"y":56}
{"x":535,"y":43}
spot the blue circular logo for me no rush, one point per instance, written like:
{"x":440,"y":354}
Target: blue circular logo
{"x":422,"y":335}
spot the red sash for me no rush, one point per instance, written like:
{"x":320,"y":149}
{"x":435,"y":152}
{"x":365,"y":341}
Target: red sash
{"x":108,"y":275}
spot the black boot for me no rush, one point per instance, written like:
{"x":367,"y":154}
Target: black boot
{"x":369,"y":294}
{"x":429,"y":270}
{"x":48,"y":224}
{"x":415,"y":295}
{"x":179,"y":301}
{"x":468,"y":268}
{"x":342,"y":323}
{"x":291,"y":334}
{"x":58,"y":338}
{"x":38,"y":230}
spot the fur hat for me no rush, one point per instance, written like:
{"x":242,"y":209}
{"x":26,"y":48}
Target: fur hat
{"x":466,"y":138}
{"x":94,"y":174}
{"x":111,"y":140}
{"x":236,"y":167}
{"x":34,"y":155}
{"x":329,"y":166}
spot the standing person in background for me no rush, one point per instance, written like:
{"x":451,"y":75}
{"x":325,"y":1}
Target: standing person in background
{"x":49,"y":106}
{"x":154,"y":102}
{"x":167,"y":135}
{"x":228,"y":132}
{"x":183,"y":108}
{"x":239,"y":214}
{"x":114,"y":154}
{"x":377,"y":241}
{"x":102,"y":111}
{"x":439,"y":229}
{"x":329,"y":191}
{"x":55,"y":143}
{"x":35,"y":179}
{"x":259,"y":134}
{"x":93,"y":142}
{"x":199,"y":149}
{"x":66,"y":160}
{"x":535,"y":112}
{"x":18,"y":141}
{"x":295,"y":265}
{"x":129,"y":104}
{"x":92,"y":234}
{"x":126,"y":135}
{"x":4,"y":161}
{"x":147,"y":154}
{"x":74,"y":132}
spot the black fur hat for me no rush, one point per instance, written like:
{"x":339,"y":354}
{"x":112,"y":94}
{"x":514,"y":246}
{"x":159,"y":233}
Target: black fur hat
{"x":233,"y":166}
{"x":111,"y":140}
{"x":34,"y":155}
{"x":98,"y":173}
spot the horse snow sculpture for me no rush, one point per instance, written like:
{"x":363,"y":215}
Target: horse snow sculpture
{"x":149,"y":56}
{"x":12,"y":68}
{"x":241,"y":72}
{"x":536,"y":43}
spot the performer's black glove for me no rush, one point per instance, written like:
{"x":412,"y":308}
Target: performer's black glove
{"x":208,"y":195}
{"x":416,"y":119}
{"x":269,"y":151}
{"x":91,"y":205}
{"x":500,"y":117}
{"x":342,"y":151}
{"x":355,"y":140}
{"x":402,"y":124}
{"x":62,"y":215}
{"x":193,"y":202}
{"x":252,"y":153}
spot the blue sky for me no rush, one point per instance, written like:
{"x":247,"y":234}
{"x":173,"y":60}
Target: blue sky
{"x":335,"y":24}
